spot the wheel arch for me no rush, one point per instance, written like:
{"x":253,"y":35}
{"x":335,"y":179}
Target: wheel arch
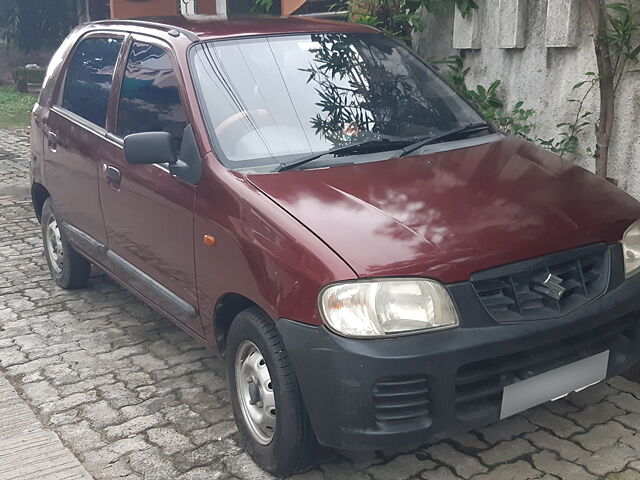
{"x":227,"y":308}
{"x":39,"y":195}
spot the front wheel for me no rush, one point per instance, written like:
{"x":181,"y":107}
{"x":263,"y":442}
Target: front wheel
{"x":68,"y":268}
{"x":267,"y":405}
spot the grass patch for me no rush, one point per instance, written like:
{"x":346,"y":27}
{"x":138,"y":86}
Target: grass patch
{"x":15,"y":107}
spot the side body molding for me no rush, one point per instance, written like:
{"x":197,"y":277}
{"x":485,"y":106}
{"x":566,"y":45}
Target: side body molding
{"x":130,"y":275}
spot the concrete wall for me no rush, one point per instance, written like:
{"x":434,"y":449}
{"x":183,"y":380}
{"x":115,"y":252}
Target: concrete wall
{"x":510,"y":40}
{"x":11,"y":59}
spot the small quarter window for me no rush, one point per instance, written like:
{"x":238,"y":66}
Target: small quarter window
{"x":89,"y":78}
{"x":149,"y":99}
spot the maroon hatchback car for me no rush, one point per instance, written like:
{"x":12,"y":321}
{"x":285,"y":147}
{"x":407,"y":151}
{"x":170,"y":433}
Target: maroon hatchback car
{"x":378,"y":265}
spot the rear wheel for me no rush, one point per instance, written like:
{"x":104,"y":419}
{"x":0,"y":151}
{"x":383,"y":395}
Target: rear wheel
{"x":69,"y":269}
{"x":267,"y":405}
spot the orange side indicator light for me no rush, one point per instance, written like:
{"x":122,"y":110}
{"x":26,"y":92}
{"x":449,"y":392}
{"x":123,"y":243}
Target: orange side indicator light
{"x":209,"y":240}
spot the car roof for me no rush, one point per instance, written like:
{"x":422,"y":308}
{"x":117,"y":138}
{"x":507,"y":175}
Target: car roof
{"x":208,"y":27}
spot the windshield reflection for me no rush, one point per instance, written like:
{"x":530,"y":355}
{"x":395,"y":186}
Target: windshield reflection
{"x":269,"y":100}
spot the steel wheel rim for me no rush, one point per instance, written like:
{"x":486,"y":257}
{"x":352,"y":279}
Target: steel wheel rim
{"x":53,"y":243}
{"x":255,"y":392}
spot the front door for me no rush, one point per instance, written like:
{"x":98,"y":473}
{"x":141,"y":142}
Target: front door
{"x":75,"y":131}
{"x":149,"y":213}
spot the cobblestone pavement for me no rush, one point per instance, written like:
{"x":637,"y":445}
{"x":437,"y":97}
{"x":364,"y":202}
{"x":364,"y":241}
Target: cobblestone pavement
{"x":133,"y":397}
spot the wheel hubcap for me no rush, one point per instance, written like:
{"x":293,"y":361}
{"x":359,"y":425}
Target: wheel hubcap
{"x":255,"y":392}
{"x":53,"y":242}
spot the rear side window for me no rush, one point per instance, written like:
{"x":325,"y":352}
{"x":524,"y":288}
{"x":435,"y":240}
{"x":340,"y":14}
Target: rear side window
{"x":149,"y":98}
{"x":89,"y":78}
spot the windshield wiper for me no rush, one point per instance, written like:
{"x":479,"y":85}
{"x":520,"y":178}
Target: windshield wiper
{"x":356,"y":147}
{"x":467,"y":128}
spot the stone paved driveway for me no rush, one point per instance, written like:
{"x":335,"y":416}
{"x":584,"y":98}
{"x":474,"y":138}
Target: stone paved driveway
{"x":134,"y":397}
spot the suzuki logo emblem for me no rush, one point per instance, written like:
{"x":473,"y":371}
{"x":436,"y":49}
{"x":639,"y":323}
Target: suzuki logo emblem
{"x":551,"y":286}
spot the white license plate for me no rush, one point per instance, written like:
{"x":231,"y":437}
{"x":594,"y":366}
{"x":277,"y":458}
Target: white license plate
{"x":553,"y":385}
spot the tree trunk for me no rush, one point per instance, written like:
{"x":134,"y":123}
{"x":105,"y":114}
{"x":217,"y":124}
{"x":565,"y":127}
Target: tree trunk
{"x":604,"y":126}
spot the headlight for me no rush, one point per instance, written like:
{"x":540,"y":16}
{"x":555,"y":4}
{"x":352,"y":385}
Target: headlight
{"x":378,"y":308}
{"x":631,"y":249}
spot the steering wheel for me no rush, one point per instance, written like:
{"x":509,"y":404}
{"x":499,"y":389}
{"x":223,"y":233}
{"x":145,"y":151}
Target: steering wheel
{"x":227,"y":125}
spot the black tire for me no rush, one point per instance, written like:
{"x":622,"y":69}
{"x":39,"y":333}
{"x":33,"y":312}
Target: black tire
{"x":75,"y":269}
{"x":293,"y":446}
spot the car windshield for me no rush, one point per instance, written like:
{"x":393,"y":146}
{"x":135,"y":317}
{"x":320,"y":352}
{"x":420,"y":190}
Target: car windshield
{"x":270,"y":100}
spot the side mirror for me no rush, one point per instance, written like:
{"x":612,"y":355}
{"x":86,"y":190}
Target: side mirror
{"x":150,"y":147}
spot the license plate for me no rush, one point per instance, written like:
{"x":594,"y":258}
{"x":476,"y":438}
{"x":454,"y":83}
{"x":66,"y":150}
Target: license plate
{"x":553,"y":385}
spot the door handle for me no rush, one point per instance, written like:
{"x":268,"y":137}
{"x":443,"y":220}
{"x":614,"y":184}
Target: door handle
{"x":52,"y":139}
{"x":113,"y":176}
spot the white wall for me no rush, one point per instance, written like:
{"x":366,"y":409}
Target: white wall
{"x":541,"y":76}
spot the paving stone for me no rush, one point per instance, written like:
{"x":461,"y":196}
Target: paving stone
{"x":563,"y":427}
{"x":626,"y":475}
{"x":441,"y":473}
{"x":464,"y":465}
{"x":96,"y":459}
{"x":101,"y":414}
{"x":149,"y":362}
{"x":244,"y":468}
{"x":119,"y":469}
{"x":594,"y":414}
{"x":151,"y":464}
{"x":40,"y":392}
{"x":169,"y":440}
{"x":506,"y":451}
{"x":402,"y":467}
{"x":625,"y":385}
{"x":185,"y":417}
{"x":519,"y":470}
{"x":602,"y":436}
{"x":204,"y":473}
{"x":216,"y":432}
{"x":148,"y":407}
{"x":343,"y":471}
{"x":81,"y":436}
{"x":134,"y":426}
{"x":208,"y":454}
{"x":609,"y":459}
{"x":84,"y":385}
{"x":70,"y":416}
{"x":630,"y":420}
{"x":565,"y":448}
{"x":625,"y":401}
{"x":549,"y":463}
{"x":71,"y":401}
{"x":633,"y":441}
{"x":118,"y":395}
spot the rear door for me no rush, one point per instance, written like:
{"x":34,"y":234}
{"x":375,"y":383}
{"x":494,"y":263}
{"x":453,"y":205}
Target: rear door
{"x":147,"y":211}
{"x":75,"y":129}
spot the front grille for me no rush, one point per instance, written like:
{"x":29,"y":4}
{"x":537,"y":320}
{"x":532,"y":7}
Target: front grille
{"x":515,"y":293}
{"x":401,"y":399}
{"x":479,"y":385}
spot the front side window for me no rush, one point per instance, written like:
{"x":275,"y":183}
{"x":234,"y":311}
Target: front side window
{"x":89,"y":78}
{"x":269,"y":100}
{"x":149,"y":98}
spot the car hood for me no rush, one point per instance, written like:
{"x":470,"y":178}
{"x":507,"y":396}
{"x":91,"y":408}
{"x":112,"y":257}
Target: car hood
{"x":449,"y":214}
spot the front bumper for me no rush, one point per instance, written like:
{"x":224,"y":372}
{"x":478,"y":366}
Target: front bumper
{"x":404,"y":391}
